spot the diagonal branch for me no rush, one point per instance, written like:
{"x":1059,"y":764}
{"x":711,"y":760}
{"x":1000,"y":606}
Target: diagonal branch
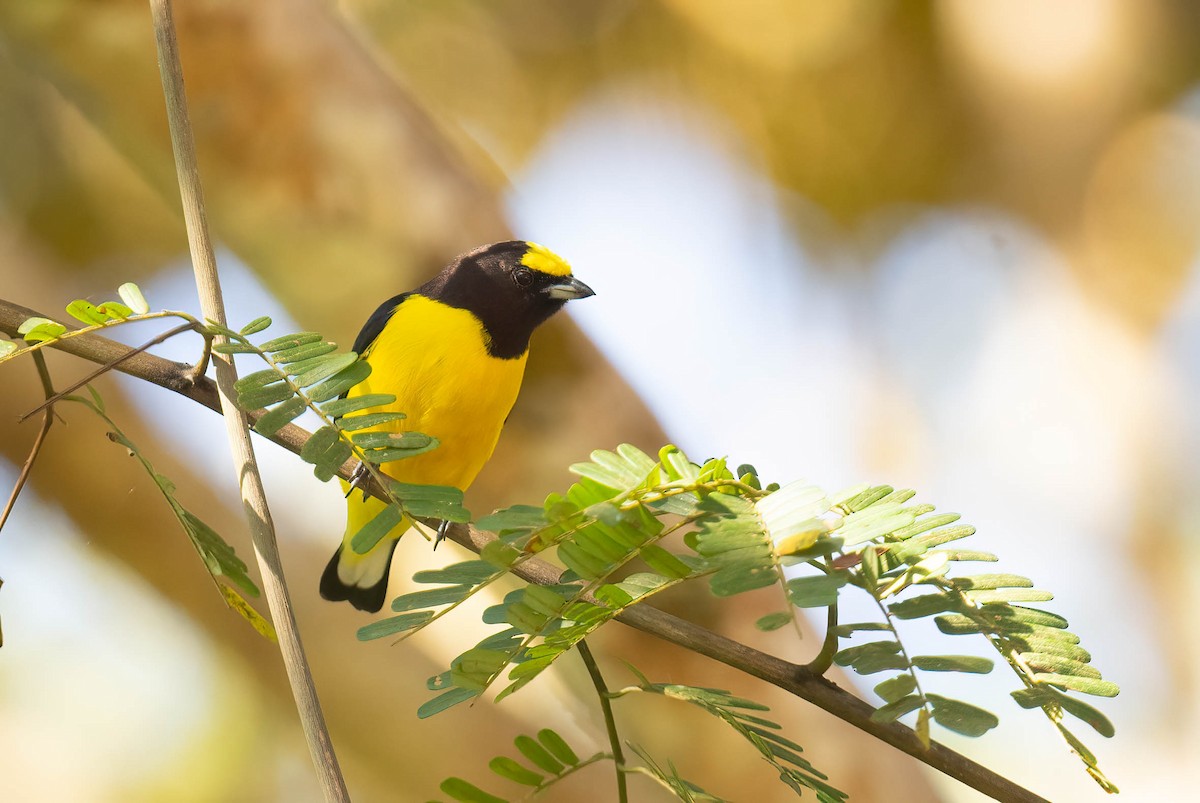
{"x":790,"y":677}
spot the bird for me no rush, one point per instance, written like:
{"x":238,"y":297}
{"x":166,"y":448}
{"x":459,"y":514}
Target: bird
{"x":453,"y":353}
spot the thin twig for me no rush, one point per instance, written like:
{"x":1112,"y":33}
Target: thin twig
{"x":820,"y":664}
{"x":110,"y":365}
{"x":610,"y":722}
{"x":791,"y":677}
{"x":254,"y":500}
{"x":47,"y":419}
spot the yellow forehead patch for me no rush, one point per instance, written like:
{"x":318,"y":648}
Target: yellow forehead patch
{"x":539,"y":257}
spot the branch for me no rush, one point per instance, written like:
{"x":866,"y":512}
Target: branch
{"x":788,"y":676}
{"x":47,"y":420}
{"x":254,"y":499}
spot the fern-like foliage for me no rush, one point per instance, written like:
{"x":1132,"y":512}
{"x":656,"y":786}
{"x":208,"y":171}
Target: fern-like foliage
{"x":219,"y":558}
{"x":608,"y":529}
{"x":891,"y":549}
{"x":306,"y":372}
{"x":549,"y":757}
{"x":763,"y":734}
{"x":227,"y":570}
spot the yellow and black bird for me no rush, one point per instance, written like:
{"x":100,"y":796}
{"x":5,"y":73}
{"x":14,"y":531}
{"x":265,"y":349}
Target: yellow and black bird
{"x":453,"y":353}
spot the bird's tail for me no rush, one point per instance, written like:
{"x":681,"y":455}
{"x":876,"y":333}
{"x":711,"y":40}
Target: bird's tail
{"x":361,"y":579}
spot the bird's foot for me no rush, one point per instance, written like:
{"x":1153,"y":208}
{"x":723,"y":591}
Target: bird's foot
{"x":356,"y":479}
{"x":442,"y":529}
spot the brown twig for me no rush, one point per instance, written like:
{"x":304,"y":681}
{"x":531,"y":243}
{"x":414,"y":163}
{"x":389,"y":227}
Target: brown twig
{"x":103,"y":369}
{"x":254,"y":500}
{"x":791,"y":677}
{"x":610,"y":722}
{"x":47,"y":419}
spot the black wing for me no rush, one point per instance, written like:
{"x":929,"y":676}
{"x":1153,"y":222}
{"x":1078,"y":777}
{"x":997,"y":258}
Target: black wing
{"x":376,"y":322}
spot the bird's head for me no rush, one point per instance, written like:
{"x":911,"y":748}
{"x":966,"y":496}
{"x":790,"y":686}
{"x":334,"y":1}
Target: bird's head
{"x":511,"y":286}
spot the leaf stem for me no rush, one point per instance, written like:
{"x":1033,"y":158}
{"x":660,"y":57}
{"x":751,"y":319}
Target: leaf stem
{"x":609,"y":721}
{"x":824,"y":659}
{"x":108,"y":366}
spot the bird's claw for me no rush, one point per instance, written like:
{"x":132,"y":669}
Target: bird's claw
{"x":442,"y":529}
{"x":356,"y":479}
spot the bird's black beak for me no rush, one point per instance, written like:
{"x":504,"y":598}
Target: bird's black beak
{"x":568,"y":288}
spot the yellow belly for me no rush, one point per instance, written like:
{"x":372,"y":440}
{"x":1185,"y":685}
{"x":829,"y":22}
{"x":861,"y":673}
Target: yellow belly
{"x":434,"y":359}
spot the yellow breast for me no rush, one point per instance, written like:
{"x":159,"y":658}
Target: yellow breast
{"x":434,"y":359}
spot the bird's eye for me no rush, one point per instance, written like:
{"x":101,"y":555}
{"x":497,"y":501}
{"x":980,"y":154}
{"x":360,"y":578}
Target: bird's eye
{"x":522,"y":277}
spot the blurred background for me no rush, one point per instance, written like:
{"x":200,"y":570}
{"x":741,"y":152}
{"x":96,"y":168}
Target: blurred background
{"x":945,"y":245}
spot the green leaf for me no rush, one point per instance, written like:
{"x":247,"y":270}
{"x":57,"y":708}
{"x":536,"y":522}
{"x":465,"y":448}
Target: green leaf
{"x":953,"y":663}
{"x":664,"y":562}
{"x":517,"y":517}
{"x":1093,"y":686}
{"x":468,"y":572}
{"x":1047,"y":695}
{"x":1025,"y":616}
{"x":290,"y":341}
{"x":389,"y":440}
{"x":302,"y":357}
{"x":475,"y":668}
{"x":131,"y":294}
{"x":460,"y":790}
{"x":255,"y":326}
{"x":431,"y":501}
{"x":357,"y":422}
{"x":820,"y":591}
{"x":264,"y":397}
{"x":352,"y":404}
{"x":874,"y":522}
{"x":114,"y":309}
{"x":340,"y":382}
{"x":447,"y":699}
{"x":537,"y":754}
{"x":409,"y":445}
{"x":557,"y":747}
{"x":969,"y":555}
{"x":7,"y":347}
{"x":896,"y":688}
{"x":847,"y":630}
{"x":431,"y":598}
{"x":36,"y":330}
{"x":234,"y":348}
{"x":896,"y":709}
{"x":619,"y":471}
{"x":924,"y":605}
{"x":279,"y":416}
{"x":375,"y":530}
{"x":318,"y":444}
{"x":86,"y":311}
{"x":325,"y":368}
{"x":872,"y":657}
{"x":774,"y":621}
{"x":981,"y":582}
{"x":924,"y":524}
{"x":1046,"y":662}
{"x":1009,"y":595}
{"x":393,"y":625}
{"x":257,"y":380}
{"x":218,"y":555}
{"x":960,"y":717}
{"x":505,"y":767}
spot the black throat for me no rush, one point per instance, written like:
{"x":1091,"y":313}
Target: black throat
{"x":507,"y":313}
